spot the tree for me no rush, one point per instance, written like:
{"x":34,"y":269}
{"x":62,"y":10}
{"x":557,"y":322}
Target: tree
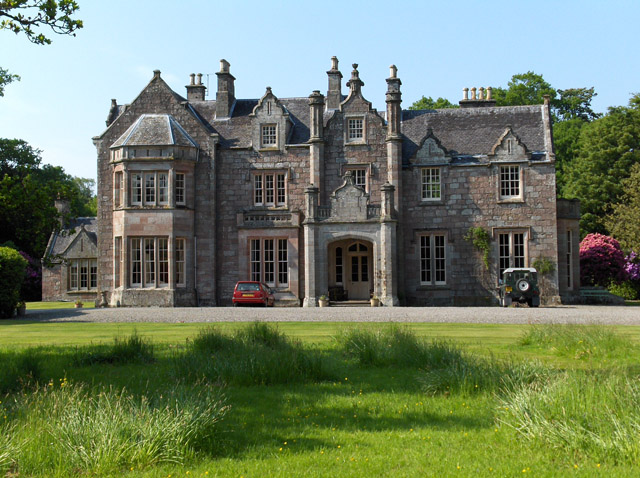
{"x":601,"y":260}
{"x":575,"y":103}
{"x":12,"y":269}
{"x":429,"y":103}
{"x":27,"y":197}
{"x":607,"y":149}
{"x":624,"y":220}
{"x":524,"y":89}
{"x":31,"y":17}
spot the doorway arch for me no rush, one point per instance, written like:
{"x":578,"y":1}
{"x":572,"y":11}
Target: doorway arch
{"x":351,"y":268}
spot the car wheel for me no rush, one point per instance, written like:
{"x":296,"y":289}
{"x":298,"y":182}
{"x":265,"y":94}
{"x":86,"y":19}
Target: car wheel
{"x":523,"y":285}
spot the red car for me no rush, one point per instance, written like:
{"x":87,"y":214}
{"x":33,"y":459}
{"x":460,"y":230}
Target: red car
{"x":251,"y":292}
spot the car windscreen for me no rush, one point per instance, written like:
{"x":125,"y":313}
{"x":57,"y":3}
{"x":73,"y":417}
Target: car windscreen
{"x":248,"y":286}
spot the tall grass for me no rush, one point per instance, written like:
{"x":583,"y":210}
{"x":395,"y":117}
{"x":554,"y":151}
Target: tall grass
{"x":395,"y":345}
{"x":578,"y":341}
{"x":85,"y":431}
{"x":256,"y":355}
{"x":125,"y":350}
{"x":19,"y":369}
{"x":596,"y":414}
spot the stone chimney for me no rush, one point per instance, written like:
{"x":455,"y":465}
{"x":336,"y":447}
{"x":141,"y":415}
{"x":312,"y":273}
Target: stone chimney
{"x":355,"y":84}
{"x":195,"y":89}
{"x":478,"y":98}
{"x":334,"y":95}
{"x":394,"y":100}
{"x":63,"y":206}
{"x":226,"y":95}
{"x":316,"y":108}
{"x":113,"y":112}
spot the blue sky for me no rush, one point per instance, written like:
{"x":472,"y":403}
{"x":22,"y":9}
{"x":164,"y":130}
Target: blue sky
{"x":439,"y":47}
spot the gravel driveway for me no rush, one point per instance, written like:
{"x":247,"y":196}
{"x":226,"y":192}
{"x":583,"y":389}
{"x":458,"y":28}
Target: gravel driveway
{"x":582,"y":314}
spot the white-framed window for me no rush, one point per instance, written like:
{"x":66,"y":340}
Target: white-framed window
{"x":270,"y":189}
{"x":163,"y":188}
{"x":510,"y":182}
{"x":355,"y":130}
{"x":569,"y":259}
{"x":269,"y":261}
{"x":269,"y":135}
{"x":148,"y":262}
{"x":83,"y":274}
{"x":180,"y":187}
{"x":150,"y":188}
{"x":512,"y":251}
{"x":180,"y":260}
{"x":360,"y":176}
{"x":136,"y":189}
{"x":431,"y":184}
{"x":433,"y":259}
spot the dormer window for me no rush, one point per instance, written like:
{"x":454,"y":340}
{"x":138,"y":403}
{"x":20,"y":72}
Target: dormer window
{"x":269,"y":136}
{"x":355,"y":130}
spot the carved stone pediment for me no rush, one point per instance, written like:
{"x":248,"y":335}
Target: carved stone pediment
{"x":431,"y":151}
{"x":509,"y":148}
{"x":349,"y":202}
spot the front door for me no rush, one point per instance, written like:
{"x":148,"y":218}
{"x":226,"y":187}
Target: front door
{"x":358,"y":280}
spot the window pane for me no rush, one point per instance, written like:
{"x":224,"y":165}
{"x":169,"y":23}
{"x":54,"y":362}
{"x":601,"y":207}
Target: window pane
{"x":73,"y":275}
{"x":509,"y":181}
{"x":136,"y":188}
{"x":518,"y":250}
{"x":268,"y":188}
{"x":136,"y":262}
{"x":269,"y":262}
{"x":149,"y":262}
{"x":425,"y":259}
{"x":257,"y":189}
{"x":255,"y":260}
{"x":504,"y":246}
{"x":180,"y":188}
{"x":162,"y":188}
{"x":117,"y":258}
{"x":93,"y":274}
{"x":339,"y":265}
{"x":355,"y":277}
{"x":150,"y":188}
{"x":360,"y":178}
{"x":431,"y":188}
{"x":283,"y":262}
{"x":269,"y":137}
{"x":364,"y":268}
{"x":281,"y":199}
{"x":163,"y":261}
{"x":84,"y":275}
{"x":355,"y":129}
{"x":117,"y":189}
{"x":440,"y":259}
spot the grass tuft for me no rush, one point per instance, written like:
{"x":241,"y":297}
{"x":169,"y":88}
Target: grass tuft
{"x":596,"y":414}
{"x":579,"y":342}
{"x":125,"y":350}
{"x":255,"y":355}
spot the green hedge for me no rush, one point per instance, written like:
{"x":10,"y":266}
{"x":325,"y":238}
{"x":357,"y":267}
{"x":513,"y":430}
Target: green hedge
{"x":12,"y":270}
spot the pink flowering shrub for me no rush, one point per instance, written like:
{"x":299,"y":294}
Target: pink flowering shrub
{"x":601,"y":260}
{"x":632,"y":266}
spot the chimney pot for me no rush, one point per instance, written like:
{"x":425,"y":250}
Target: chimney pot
{"x":481,"y":93}
{"x":334,"y":62}
{"x":193,"y":79}
{"x":489,"y":91}
{"x":199,"y":79}
{"x":224,"y":66}
{"x":393,"y":71}
{"x":473,"y":93}
{"x":465,"y":94}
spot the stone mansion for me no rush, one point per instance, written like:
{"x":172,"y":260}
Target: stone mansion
{"x":321,"y":195}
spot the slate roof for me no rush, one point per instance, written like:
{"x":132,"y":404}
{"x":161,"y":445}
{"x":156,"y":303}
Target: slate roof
{"x":473,"y":131}
{"x":155,"y":130}
{"x":61,"y":240}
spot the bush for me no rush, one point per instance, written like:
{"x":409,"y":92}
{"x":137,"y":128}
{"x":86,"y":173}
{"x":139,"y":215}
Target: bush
{"x":12,"y":271}
{"x":132,"y":349}
{"x":601,"y":260}
{"x":628,"y":290}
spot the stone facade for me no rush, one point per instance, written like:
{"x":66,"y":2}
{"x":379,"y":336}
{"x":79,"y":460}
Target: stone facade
{"x":324,"y":194}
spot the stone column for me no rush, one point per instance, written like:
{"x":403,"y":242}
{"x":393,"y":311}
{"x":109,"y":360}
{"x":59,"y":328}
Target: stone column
{"x":388,"y":249}
{"x":394,"y":133}
{"x":310,"y":249}
{"x":316,"y":150}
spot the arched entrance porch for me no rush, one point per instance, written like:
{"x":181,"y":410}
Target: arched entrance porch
{"x":350,"y":269}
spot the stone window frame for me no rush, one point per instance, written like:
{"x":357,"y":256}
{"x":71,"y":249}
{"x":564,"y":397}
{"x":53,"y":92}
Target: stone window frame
{"x":75,"y":275}
{"x":432,"y":260}
{"x":512,"y":255}
{"x":424,"y":197}
{"x":348,"y":129}
{"x":271,"y":135}
{"x":263,"y":268}
{"x":366,"y":167}
{"x":139,"y":193}
{"x":180,"y":188}
{"x":279,"y":188}
{"x":508,"y":183}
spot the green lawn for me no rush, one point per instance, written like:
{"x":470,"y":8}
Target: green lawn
{"x":351,"y":419}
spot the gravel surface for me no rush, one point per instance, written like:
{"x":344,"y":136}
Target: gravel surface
{"x":582,"y":314}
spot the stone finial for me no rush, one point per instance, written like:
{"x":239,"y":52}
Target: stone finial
{"x":489,"y":93}
{"x":481,"y":93}
{"x":334,"y":63}
{"x":224,"y":66}
{"x":114,"y":102}
{"x":465,"y":94}
{"x":156,"y":74}
{"x":547,"y":100}
{"x":199,"y":79}
{"x":268,"y":90}
{"x":473,"y":93}
{"x":393,"y":71}
{"x":355,"y":83}
{"x":193,"y":79}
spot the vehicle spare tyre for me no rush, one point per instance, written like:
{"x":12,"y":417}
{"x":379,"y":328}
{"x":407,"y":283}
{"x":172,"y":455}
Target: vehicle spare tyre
{"x":523,"y":285}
